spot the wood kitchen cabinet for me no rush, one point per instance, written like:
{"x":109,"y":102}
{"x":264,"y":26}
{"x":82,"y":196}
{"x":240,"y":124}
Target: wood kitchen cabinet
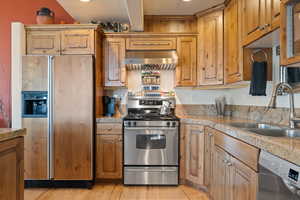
{"x":114,"y":66}
{"x":61,"y":39}
{"x":194,"y":154}
{"x":182,"y":150}
{"x":77,"y":42}
{"x":235,"y":167}
{"x":151,"y":43}
{"x":187,"y":61}
{"x":290,"y":33}
{"x":210,"y":49}
{"x":109,"y":148}
{"x":43,"y":42}
{"x":208,"y":157}
{"x":12,"y":169}
{"x":259,"y":17}
{"x":233,"y":51}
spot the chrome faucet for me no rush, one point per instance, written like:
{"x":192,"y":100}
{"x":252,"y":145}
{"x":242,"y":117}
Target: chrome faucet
{"x":286,"y":88}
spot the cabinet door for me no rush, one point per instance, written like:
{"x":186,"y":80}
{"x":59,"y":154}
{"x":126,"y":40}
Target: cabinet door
{"x":73,"y":133}
{"x":243,"y":181}
{"x":251,"y":17}
{"x":151,"y":43}
{"x":220,"y":181}
{"x":232,"y":44}
{"x":208,"y":158}
{"x":43,"y":43}
{"x":275,"y":12}
{"x":77,"y":42}
{"x":36,"y":153}
{"x":11,"y":167}
{"x":109,"y":157}
{"x":186,"y":70}
{"x":210,"y":71}
{"x":195,"y":154}
{"x":114,"y":55}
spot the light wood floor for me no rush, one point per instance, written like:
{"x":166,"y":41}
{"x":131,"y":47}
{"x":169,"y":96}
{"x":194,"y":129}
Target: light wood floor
{"x":117,"y":192}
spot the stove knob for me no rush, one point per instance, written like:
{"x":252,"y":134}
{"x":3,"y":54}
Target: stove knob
{"x":168,"y":124}
{"x":134,"y":124}
{"x":129,"y":124}
{"x":174,"y":124}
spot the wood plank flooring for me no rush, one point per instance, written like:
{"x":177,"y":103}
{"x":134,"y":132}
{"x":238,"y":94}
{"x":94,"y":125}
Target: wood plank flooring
{"x":117,"y":192}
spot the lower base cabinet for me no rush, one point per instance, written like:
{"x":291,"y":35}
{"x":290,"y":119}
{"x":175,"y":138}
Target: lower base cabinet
{"x":194,"y":153}
{"x":109,"y":157}
{"x":12,"y":169}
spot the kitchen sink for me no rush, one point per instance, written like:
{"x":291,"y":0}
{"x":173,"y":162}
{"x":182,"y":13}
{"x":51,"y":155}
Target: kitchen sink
{"x":267,"y":129}
{"x":253,"y":125}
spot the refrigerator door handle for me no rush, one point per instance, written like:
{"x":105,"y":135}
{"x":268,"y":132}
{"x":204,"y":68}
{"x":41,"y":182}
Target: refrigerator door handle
{"x":50,"y":119}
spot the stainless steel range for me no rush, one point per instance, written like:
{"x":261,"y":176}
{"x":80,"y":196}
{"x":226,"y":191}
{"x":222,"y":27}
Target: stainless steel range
{"x":151,"y":142}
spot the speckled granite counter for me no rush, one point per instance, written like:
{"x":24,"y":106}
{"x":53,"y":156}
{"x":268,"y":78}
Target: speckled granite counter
{"x":8,"y":133}
{"x":109,"y":120}
{"x":286,"y":148}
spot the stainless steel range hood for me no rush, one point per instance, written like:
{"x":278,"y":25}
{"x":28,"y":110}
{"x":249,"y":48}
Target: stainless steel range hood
{"x":165,"y":60}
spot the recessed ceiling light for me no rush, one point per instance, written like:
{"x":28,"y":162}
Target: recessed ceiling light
{"x":186,"y":0}
{"x":85,"y":0}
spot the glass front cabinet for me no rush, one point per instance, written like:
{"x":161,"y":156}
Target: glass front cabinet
{"x":290,"y":32}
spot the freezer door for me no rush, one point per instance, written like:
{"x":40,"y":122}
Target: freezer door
{"x":35,"y":73}
{"x":73,"y":117}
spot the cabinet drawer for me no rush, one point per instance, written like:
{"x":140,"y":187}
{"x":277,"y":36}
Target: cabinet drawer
{"x":109,"y":128}
{"x":151,"y":43}
{"x":246,"y":153}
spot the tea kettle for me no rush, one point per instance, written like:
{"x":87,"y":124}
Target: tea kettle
{"x":165,"y":108}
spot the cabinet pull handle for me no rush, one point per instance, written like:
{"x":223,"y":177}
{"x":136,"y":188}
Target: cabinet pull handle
{"x":229,"y":164}
{"x":109,"y":129}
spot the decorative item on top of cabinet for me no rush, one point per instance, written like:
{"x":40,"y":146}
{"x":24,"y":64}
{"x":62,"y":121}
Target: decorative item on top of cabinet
{"x":233,"y":51}
{"x":186,"y":70}
{"x":109,"y":148}
{"x":12,"y":169}
{"x":114,"y":66}
{"x":77,"y":42}
{"x":194,"y":159}
{"x":290,"y":33}
{"x":210,"y":49}
{"x":43,"y":42}
{"x":259,"y":17}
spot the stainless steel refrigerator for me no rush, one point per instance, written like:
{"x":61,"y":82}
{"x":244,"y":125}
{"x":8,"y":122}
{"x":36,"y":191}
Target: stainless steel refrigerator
{"x":58,"y":144}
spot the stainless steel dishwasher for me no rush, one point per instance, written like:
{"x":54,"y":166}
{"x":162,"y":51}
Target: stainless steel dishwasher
{"x":278,"y":178}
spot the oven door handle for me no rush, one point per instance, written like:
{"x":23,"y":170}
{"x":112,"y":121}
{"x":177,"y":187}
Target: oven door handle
{"x":150,"y":128}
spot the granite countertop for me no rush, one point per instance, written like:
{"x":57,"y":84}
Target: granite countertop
{"x":9,"y":133}
{"x":286,"y":148}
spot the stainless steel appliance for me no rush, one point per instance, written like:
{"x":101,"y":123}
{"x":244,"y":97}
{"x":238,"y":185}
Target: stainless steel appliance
{"x":278,"y":178}
{"x":151,"y":142}
{"x":59,"y":144}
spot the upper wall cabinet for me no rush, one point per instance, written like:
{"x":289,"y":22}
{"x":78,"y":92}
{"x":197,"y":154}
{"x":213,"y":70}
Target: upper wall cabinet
{"x":114,"y":66}
{"x":77,"y":42}
{"x":290,"y":32}
{"x":60,"y":39}
{"x":150,"y":43}
{"x":187,"y":65}
{"x":259,"y":17}
{"x":43,"y":42}
{"x":232,"y":43}
{"x":210,"y":49}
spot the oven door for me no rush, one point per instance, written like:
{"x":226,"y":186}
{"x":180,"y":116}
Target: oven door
{"x":151,"y":146}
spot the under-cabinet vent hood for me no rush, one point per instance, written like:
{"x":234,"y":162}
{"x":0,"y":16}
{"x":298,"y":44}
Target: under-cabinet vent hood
{"x":159,"y":60}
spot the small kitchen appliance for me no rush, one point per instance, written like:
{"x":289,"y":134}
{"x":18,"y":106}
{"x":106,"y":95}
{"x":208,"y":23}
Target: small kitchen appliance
{"x":109,"y":106}
{"x":151,"y":142}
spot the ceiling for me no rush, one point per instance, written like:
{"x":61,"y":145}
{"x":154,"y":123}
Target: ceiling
{"x":120,"y":10}
{"x":177,"y":7}
{"x":102,"y":10}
